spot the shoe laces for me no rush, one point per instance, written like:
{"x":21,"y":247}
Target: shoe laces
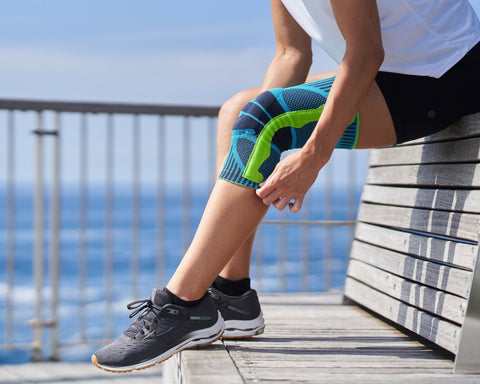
{"x":143,"y":323}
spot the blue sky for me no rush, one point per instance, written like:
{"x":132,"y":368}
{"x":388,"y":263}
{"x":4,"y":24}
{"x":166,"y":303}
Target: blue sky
{"x":147,"y":51}
{"x":186,"y":51}
{"x":152,"y":51}
{"x":176,"y":52}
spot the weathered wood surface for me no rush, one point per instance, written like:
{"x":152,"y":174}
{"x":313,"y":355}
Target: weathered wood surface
{"x":78,"y":373}
{"x":457,"y":225}
{"x":448,"y":279}
{"x":440,"y":332}
{"x":458,"y":200}
{"x":314,"y":338}
{"x":186,"y":367}
{"x":427,"y":247}
{"x":427,"y":175}
{"x":458,"y":151}
{"x":431,"y":300}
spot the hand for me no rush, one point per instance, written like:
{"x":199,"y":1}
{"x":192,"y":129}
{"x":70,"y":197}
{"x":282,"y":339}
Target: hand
{"x":290,"y":180}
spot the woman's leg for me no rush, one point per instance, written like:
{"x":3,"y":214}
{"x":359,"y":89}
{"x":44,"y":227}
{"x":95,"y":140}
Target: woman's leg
{"x":238,"y":266}
{"x":233,"y":213}
{"x":183,"y":316}
{"x":230,"y":218}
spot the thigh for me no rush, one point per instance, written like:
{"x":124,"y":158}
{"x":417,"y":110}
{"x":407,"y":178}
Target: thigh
{"x":376,"y":127}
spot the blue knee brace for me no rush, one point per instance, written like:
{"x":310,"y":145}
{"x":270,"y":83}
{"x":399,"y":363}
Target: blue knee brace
{"x":277,"y":120}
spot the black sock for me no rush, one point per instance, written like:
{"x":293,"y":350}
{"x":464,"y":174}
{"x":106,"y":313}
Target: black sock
{"x":180,"y":302}
{"x":231,"y":287}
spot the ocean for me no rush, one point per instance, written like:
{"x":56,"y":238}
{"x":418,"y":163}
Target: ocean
{"x":276,"y":266}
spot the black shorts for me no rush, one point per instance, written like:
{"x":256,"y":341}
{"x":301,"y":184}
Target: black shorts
{"x":422,"y":105}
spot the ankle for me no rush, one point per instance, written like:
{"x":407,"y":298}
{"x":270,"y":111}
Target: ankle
{"x":232,"y":287}
{"x":180,"y":301}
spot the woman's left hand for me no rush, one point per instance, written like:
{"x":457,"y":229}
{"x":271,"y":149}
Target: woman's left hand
{"x":291,"y":179}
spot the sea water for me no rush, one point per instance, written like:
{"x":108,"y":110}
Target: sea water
{"x":295,"y":244}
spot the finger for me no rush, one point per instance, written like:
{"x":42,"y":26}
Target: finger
{"x":275,"y":197}
{"x":268,"y":194}
{"x":264,"y":190}
{"x":296,"y":206}
{"x":280,"y":203}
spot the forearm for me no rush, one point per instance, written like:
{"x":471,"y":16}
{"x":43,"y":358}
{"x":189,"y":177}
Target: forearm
{"x":286,"y":69}
{"x":293,"y":52}
{"x":354,"y":78}
{"x":359,"y":24}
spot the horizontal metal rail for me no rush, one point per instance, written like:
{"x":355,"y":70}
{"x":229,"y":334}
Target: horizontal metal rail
{"x":327,"y":223}
{"x":117,"y":108}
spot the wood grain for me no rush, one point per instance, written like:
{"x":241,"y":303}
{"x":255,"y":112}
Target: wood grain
{"x":462,"y":226}
{"x":448,"y":279}
{"x":445,"y":251}
{"x":432,"y":328}
{"x":430,"y":300}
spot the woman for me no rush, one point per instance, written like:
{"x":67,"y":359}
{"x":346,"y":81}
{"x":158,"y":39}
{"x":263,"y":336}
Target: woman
{"x":407,"y":68}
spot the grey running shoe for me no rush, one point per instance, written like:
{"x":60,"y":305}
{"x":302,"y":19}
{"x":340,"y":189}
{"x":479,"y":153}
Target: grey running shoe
{"x":242,"y":314}
{"x":161,"y":330}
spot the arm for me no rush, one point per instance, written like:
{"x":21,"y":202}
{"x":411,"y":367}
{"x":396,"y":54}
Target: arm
{"x":293,"y":53}
{"x":359,"y":23}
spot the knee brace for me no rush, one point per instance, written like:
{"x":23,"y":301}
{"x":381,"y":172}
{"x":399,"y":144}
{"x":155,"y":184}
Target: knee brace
{"x":275,"y":121}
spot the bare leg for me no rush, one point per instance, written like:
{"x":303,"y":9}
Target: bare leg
{"x":230,"y":217}
{"x":239,"y":265}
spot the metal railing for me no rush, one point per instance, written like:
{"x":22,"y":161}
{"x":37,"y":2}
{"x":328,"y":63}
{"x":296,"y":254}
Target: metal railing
{"x":115,"y":189}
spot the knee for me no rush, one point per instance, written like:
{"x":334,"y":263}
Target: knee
{"x":227,"y":117}
{"x":232,"y":107}
{"x":260,"y":111}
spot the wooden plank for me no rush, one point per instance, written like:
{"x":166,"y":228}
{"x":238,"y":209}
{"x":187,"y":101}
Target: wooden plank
{"x":74,"y":373}
{"x":458,"y":200}
{"x":446,"y":251}
{"x":84,"y":373}
{"x":427,"y":175}
{"x":458,"y":151}
{"x":310,"y":340}
{"x":448,"y":279}
{"x":455,"y":225}
{"x":213,"y":366}
{"x":431,"y":300}
{"x":466,"y":126}
{"x":440,"y":332}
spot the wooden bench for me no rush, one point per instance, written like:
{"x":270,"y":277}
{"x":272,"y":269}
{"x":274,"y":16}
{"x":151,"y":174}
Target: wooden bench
{"x":412,"y":262}
{"x":416,"y":241}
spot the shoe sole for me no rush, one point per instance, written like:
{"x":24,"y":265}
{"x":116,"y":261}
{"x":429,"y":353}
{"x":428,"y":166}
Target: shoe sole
{"x":239,"y":329}
{"x":198,"y":341}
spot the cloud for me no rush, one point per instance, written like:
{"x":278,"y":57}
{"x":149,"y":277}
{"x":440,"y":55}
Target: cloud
{"x":182,"y":76}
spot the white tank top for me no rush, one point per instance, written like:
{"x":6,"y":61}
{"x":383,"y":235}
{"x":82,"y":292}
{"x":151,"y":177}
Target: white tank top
{"x":420,"y":37}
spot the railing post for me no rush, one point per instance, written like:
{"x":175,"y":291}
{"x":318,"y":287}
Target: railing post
{"x":36,"y":323}
{"x":11,"y":225}
{"x":468,"y":359}
{"x":54,"y":243}
{"x":161,"y":202}
{"x":186,"y":185}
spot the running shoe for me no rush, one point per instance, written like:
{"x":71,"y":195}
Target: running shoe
{"x":161,"y":330}
{"x":242,"y":314}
